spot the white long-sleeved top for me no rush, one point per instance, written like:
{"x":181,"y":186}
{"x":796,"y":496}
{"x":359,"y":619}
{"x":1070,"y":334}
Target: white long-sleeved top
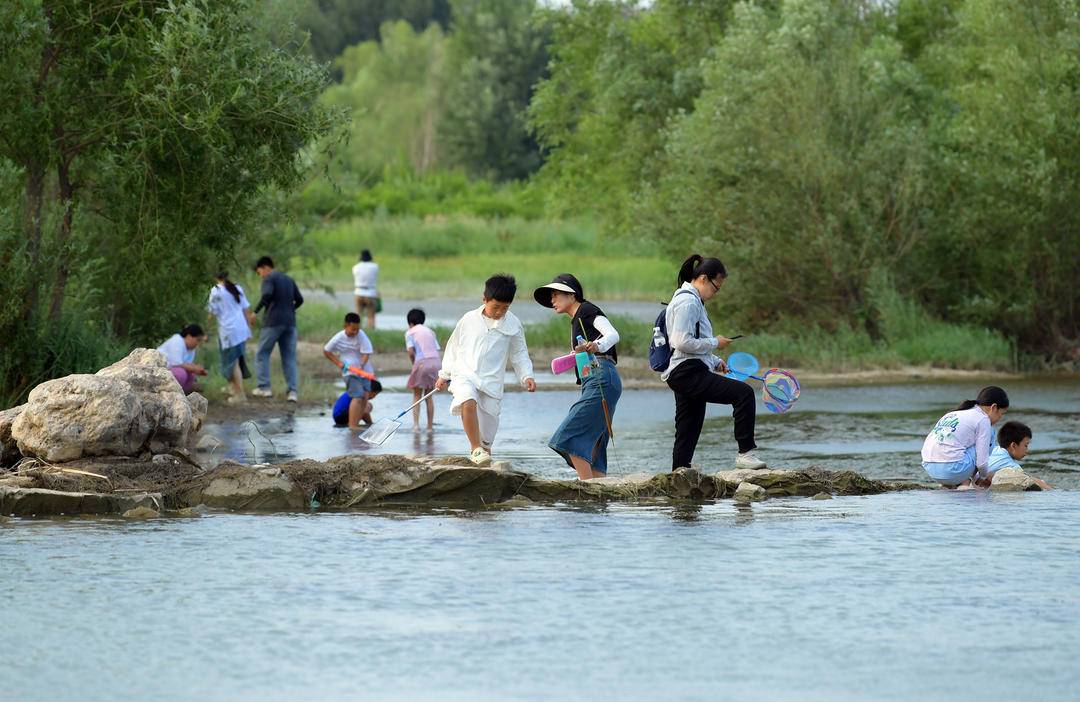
{"x":955,"y":433}
{"x":609,"y":336}
{"x":479,"y":348}
{"x":685,"y":313}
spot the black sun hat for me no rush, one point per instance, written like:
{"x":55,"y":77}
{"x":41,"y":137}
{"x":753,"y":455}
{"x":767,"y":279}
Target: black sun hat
{"x":564,"y":282}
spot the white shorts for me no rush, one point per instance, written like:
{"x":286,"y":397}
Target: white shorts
{"x":487,"y":408}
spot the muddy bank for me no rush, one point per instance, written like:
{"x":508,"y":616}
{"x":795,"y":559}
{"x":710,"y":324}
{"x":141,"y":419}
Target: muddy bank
{"x":172,"y":483}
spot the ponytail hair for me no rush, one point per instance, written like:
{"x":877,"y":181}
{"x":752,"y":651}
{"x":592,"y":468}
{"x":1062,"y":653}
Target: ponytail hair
{"x":695,"y":266}
{"x":192,"y":330}
{"x":990,"y":395}
{"x":229,"y":285}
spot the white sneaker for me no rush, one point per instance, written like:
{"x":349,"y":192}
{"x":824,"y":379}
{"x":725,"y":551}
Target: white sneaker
{"x":749,"y":460}
{"x":291,"y":397}
{"x":262,"y":392}
{"x":480,"y":456}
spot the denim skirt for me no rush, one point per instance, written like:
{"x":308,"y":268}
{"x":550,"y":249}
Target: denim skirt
{"x":584,"y":432}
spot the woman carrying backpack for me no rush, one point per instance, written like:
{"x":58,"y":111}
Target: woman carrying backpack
{"x":694,"y":374}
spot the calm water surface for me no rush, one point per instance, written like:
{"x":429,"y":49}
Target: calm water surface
{"x":932,"y":595}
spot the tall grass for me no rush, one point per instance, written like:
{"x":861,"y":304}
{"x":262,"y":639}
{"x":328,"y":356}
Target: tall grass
{"x":452,"y":256}
{"x":912,"y":338}
{"x":457,"y":235}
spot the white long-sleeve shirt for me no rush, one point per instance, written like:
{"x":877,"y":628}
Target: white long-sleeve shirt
{"x":955,"y":433}
{"x":480,"y":347}
{"x":685,"y":315}
{"x":609,"y":336}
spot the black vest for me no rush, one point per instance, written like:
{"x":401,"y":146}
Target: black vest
{"x":587,"y":312}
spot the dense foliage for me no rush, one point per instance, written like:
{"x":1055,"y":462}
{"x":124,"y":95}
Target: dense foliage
{"x":835,"y":154}
{"x":140,"y":141}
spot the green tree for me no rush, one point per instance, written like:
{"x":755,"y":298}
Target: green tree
{"x":619,"y":74}
{"x":393,"y":90}
{"x":336,"y":24}
{"x":1007,"y":172}
{"x":144,"y":136}
{"x":802,"y":164}
{"x":497,"y":54}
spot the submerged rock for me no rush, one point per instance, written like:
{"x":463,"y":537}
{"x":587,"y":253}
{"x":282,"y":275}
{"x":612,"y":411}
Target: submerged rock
{"x":1013,"y":480}
{"x":822,"y":496}
{"x":141,"y":513}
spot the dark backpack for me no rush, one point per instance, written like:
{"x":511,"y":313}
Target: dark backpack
{"x":659,"y":347}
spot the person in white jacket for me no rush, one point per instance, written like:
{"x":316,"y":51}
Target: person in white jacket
{"x":474,"y":364}
{"x":957,"y":450}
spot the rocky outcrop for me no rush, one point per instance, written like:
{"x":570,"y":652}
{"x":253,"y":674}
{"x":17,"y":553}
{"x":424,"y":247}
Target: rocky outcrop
{"x":350,"y":482}
{"x":243,"y":488}
{"x":1013,"y":480}
{"x":128,"y":408}
{"x":9,"y":448}
{"x":164,"y":407}
{"x":81,"y":415}
{"x":748,"y":492}
{"x":29,"y":502}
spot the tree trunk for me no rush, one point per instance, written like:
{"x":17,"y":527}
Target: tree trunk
{"x":32,"y":225}
{"x":63,"y":253}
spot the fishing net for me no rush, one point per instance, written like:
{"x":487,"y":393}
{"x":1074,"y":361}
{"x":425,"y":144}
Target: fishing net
{"x":780,"y":390}
{"x":741,"y":365}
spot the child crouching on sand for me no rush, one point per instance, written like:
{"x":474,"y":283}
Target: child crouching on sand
{"x":956,"y":452}
{"x":474,"y":364}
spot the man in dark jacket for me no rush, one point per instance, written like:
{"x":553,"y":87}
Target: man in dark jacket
{"x":280,"y":298}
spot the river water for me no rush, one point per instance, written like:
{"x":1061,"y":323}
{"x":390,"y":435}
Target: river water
{"x":929,"y":595}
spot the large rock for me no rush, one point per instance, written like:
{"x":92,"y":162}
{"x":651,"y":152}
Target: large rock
{"x":243,"y":488}
{"x":199,"y":406}
{"x":81,"y":415}
{"x":9,"y":448}
{"x":26,"y":502}
{"x":165,"y":408}
{"x":748,"y":492}
{"x":134,"y":405}
{"x":1013,"y":480}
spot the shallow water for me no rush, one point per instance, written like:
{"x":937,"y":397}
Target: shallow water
{"x":926,"y":595}
{"x":876,"y":430}
{"x":906,"y":596}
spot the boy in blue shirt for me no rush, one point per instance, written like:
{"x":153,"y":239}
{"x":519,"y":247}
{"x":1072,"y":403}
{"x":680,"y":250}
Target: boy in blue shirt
{"x":340,"y":412}
{"x":1013,"y":440}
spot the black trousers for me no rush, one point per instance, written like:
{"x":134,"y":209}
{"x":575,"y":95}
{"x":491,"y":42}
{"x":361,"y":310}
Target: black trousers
{"x":695,"y":386}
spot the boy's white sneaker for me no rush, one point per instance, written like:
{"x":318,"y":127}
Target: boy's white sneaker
{"x":749,"y":460}
{"x":480,"y":456}
{"x":291,"y":397}
{"x":262,"y":392}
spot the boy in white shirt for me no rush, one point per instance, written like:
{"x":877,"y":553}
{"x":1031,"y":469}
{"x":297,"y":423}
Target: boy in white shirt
{"x":474,"y":364}
{"x":351,"y":347}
